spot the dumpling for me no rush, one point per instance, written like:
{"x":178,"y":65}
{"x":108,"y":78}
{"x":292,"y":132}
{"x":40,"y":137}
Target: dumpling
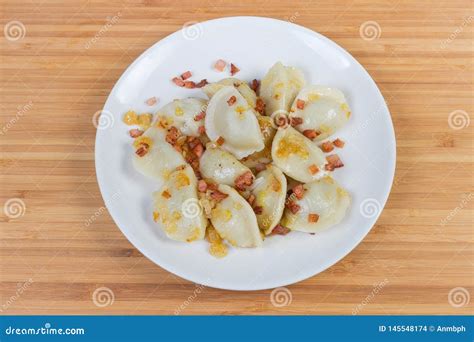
{"x":154,"y":157}
{"x":235,"y":221}
{"x":280,"y":86}
{"x":264,"y":156}
{"x":181,"y":114}
{"x":243,"y":88}
{"x":324,"y":204}
{"x":221,"y":166}
{"x":177,"y":207}
{"x":270,"y":194}
{"x":322,"y":109}
{"x":297,"y":156}
{"x":232,"y":124}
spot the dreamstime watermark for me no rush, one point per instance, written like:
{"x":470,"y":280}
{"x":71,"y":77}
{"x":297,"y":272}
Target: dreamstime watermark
{"x":103,"y":119}
{"x":192,"y":30}
{"x":466,"y":199}
{"x":370,"y":207}
{"x":456,"y":32}
{"x":292,"y":18}
{"x":280,"y":297}
{"x":21,"y":110}
{"x":191,"y":208}
{"x":103,"y":30}
{"x":459,"y":119}
{"x":14,"y":30}
{"x":370,"y":30}
{"x":191,"y":298}
{"x":100,"y":211}
{"x":459,"y":297}
{"x":376,"y":289}
{"x":14,"y":208}
{"x":103,"y":296}
{"x":22,"y":287}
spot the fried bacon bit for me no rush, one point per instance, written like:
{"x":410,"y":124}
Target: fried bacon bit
{"x":243,"y":181}
{"x":231,"y":100}
{"x":334,"y":162}
{"x":300,"y":104}
{"x":296,"y":121}
{"x":258,"y":210}
{"x":151,"y":101}
{"x":202,"y":129}
{"x":218,"y":196}
{"x":172,"y":135}
{"x":338,"y":143}
{"x":280,"y":230}
{"x":313,"y":218}
{"x":251,"y":199}
{"x":220,"y":65}
{"x":142,"y":150}
{"x":260,"y":106}
{"x":180,"y":168}
{"x":198,"y":150}
{"x":327,"y":146}
{"x":294,"y":208}
{"x":233,"y":69}
{"x":313,"y":169}
{"x":298,"y":190}
{"x":201,"y":83}
{"x":310,"y":133}
{"x":200,"y":116}
{"x":202,"y":186}
{"x":189,"y":84}
{"x":178,"y":81}
{"x":254,"y":85}
{"x":166,"y":194}
{"x":186,"y":75}
{"x":135,"y":133}
{"x":260,"y":167}
{"x":220,"y":141}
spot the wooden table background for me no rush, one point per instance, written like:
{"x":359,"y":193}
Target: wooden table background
{"x":52,"y":261}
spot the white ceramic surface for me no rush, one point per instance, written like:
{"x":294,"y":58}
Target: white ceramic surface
{"x":254,"y":44}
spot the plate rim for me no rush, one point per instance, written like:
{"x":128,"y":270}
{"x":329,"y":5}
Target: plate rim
{"x":309,"y":271}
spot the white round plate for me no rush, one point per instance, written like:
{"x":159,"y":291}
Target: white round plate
{"x":254,"y":44}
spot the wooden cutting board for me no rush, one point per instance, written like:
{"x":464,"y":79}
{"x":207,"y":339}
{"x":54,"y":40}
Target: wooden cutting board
{"x":59,"y":61}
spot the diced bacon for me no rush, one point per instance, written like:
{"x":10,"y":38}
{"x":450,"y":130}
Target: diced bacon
{"x":135,"y":133}
{"x":298,"y":190}
{"x":313,"y":169}
{"x":310,"y":133}
{"x":178,"y":81}
{"x":202,"y":129}
{"x":244,"y":180}
{"x":186,"y":75}
{"x":334,"y":162}
{"x":142,"y":150}
{"x":258,"y":210}
{"x":254,"y":85}
{"x":189,"y":84}
{"x":294,"y":208}
{"x":220,"y":65}
{"x":151,"y":101}
{"x":260,"y":167}
{"x":233,"y":69}
{"x":172,"y":135}
{"x":300,"y":104}
{"x":296,"y":121}
{"x":338,"y":143}
{"x":313,"y":218}
{"x":260,"y":106}
{"x":180,"y":168}
{"x":218,"y":196}
{"x":220,"y":141}
{"x":280,"y":230}
{"x":202,"y":186}
{"x":166,"y":194}
{"x":201,"y":83}
{"x":251,"y":199}
{"x":231,"y":100}
{"x":327,"y":146}
{"x":200,"y":116}
{"x":198,"y":150}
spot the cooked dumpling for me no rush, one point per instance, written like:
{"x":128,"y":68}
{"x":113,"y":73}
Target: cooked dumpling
{"x":270,"y":194}
{"x":232,"y":123}
{"x":177,"y":207}
{"x":158,"y":158}
{"x":235,"y":221}
{"x":280,"y":86}
{"x":243,"y":88}
{"x":181,"y":114}
{"x":264,"y":156}
{"x":322,"y":109}
{"x":221,"y":166}
{"x":297,"y":156}
{"x":324,"y":204}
